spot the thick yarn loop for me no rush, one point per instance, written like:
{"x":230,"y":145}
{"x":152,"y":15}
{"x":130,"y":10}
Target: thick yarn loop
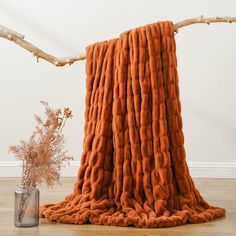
{"x":133,"y":167}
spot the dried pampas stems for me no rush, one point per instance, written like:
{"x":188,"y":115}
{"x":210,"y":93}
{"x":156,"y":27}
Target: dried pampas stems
{"x":43,"y":155}
{"x":38,"y":53}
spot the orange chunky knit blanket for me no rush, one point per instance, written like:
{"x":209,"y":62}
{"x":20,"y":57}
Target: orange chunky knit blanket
{"x":133,"y":168}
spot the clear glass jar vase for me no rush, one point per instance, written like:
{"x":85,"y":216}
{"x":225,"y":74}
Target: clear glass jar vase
{"x":26,"y":212}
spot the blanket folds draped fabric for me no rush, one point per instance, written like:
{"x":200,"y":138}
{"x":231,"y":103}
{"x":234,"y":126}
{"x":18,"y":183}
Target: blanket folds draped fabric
{"x":133,"y":167}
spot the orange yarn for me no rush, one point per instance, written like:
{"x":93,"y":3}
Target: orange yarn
{"x":133,"y":169}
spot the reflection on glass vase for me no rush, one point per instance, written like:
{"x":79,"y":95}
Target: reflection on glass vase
{"x":26,"y":212}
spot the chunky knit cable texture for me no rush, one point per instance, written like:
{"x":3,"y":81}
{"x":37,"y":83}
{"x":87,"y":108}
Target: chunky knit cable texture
{"x":133,"y":168}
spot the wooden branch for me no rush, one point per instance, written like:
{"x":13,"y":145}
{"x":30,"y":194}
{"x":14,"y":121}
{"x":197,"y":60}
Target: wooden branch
{"x":4,"y":31}
{"x":38,"y":53}
{"x":203,"y":20}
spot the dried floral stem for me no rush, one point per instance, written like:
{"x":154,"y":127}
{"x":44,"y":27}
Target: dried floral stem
{"x":38,"y":53}
{"x":23,"y":205}
{"x":42,"y":155}
{"x":61,"y":127}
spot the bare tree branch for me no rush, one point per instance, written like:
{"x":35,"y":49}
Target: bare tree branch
{"x":5,"y":30}
{"x":203,"y":20}
{"x":38,"y":53}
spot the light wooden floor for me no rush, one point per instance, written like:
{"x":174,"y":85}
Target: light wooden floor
{"x":219,"y":192}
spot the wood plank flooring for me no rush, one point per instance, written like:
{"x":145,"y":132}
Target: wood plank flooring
{"x":219,"y":192}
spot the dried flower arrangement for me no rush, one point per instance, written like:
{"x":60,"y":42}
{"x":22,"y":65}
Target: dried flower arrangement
{"x":43,"y":155}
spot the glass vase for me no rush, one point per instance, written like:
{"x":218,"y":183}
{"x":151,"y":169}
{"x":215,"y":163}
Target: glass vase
{"x":26,"y":212}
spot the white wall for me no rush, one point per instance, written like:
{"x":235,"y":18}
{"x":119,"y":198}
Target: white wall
{"x":206,"y":64}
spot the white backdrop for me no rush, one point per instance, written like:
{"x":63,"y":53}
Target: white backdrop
{"x":206,"y":64}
